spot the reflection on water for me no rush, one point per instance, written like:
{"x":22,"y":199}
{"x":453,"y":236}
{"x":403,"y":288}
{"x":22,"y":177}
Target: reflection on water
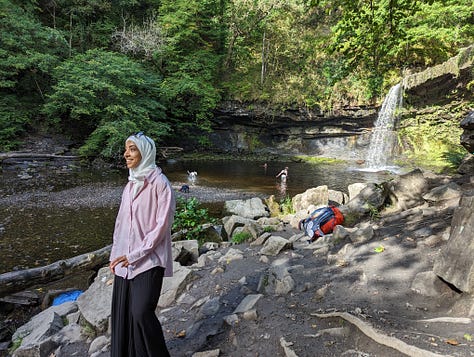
{"x":36,"y":237}
{"x":256,"y":177}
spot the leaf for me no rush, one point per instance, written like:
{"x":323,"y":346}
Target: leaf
{"x":379,"y":249}
{"x":468,"y":337}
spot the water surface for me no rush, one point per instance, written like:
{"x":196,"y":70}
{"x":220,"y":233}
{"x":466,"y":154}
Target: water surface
{"x":32,"y":235}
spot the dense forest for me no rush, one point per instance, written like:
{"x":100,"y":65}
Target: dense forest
{"x":98,"y":70}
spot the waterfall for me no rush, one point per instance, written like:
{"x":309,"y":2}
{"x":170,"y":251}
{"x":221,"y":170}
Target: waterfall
{"x":383,"y":136}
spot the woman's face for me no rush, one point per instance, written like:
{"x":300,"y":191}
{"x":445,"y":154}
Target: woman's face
{"x":132,"y":155}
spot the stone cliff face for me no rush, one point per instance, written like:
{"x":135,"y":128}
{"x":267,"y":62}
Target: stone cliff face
{"x":442,"y":83}
{"x":254,"y":128}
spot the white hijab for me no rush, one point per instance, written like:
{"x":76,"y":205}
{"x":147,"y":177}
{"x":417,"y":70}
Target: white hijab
{"x":147,"y":149}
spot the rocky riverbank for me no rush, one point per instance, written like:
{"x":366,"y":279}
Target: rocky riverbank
{"x":366,"y":290}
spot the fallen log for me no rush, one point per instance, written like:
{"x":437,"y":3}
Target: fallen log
{"x":20,"y":280}
{"x":31,"y":155}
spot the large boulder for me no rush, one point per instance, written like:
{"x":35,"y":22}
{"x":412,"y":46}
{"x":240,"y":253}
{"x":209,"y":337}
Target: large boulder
{"x":95,"y":302}
{"x":369,"y":200}
{"x":316,"y":196}
{"x":455,"y":264}
{"x":407,"y":190}
{"x":252,"y":208}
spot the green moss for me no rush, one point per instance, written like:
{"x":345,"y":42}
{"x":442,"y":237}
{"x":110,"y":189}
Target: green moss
{"x":318,"y":160}
{"x":431,"y":139}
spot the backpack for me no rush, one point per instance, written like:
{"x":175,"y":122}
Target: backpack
{"x":322,"y":221}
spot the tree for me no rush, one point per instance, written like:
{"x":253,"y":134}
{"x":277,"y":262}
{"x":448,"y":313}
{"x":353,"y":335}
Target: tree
{"x":28,"y":53}
{"x":103,"y":97}
{"x":192,"y":58}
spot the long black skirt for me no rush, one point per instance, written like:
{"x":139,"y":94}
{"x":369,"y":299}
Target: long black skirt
{"x":136,"y":331}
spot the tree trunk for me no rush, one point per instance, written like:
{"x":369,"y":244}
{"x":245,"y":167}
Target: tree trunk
{"x":16,"y":281}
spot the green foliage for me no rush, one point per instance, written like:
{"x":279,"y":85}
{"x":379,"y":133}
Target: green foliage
{"x":191,"y":58}
{"x":373,"y":211}
{"x":15,"y":345}
{"x":286,"y":206}
{"x":192,"y":53}
{"x":190,"y":217}
{"x":28,"y":52}
{"x":103,"y":97}
{"x":241,"y":237}
{"x":12,"y":122}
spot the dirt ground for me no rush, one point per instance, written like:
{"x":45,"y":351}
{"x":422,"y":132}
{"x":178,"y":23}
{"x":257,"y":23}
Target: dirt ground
{"x":361,"y":303}
{"x":371,"y":290}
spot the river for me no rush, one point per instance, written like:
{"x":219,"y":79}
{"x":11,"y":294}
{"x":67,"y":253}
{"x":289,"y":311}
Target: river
{"x":51,"y":213}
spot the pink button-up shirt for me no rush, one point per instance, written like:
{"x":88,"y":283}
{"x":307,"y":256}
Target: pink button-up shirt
{"x":143,"y":227}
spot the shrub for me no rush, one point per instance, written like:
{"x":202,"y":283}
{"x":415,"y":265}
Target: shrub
{"x":190,"y":217}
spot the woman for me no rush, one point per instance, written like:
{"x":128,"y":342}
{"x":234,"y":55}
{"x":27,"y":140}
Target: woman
{"x":141,"y":253}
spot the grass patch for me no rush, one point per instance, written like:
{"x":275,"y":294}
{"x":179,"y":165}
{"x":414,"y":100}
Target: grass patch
{"x":241,"y":237}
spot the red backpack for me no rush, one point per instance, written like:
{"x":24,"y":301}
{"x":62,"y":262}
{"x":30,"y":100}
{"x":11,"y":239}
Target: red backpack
{"x":322,"y":221}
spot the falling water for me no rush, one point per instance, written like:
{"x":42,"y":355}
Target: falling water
{"x":383,"y":137}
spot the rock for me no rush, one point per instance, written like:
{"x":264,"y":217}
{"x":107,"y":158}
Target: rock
{"x":278,"y":279}
{"x":467,"y":137}
{"x":467,"y":165}
{"x":187,"y":251}
{"x":428,"y":284}
{"x":273,"y":206}
{"x":98,"y":344}
{"x":455,"y":264}
{"x":247,"y":303}
{"x":95,"y":302}
{"x":337,"y":197}
{"x":355,"y":188}
{"x":232,"y":254}
{"x":261,"y":239}
{"x":449,"y":191}
{"x":211,"y":353}
{"x":407,"y":190}
{"x":175,"y":285}
{"x":211,"y":233}
{"x":274,"y":245}
{"x":234,"y":221}
{"x":370,"y":199}
{"x":318,"y":196}
{"x":252,"y":208}
{"x":44,"y":321}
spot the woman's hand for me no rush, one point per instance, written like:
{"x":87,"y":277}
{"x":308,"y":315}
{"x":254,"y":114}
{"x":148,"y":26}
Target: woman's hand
{"x":123,"y":259}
